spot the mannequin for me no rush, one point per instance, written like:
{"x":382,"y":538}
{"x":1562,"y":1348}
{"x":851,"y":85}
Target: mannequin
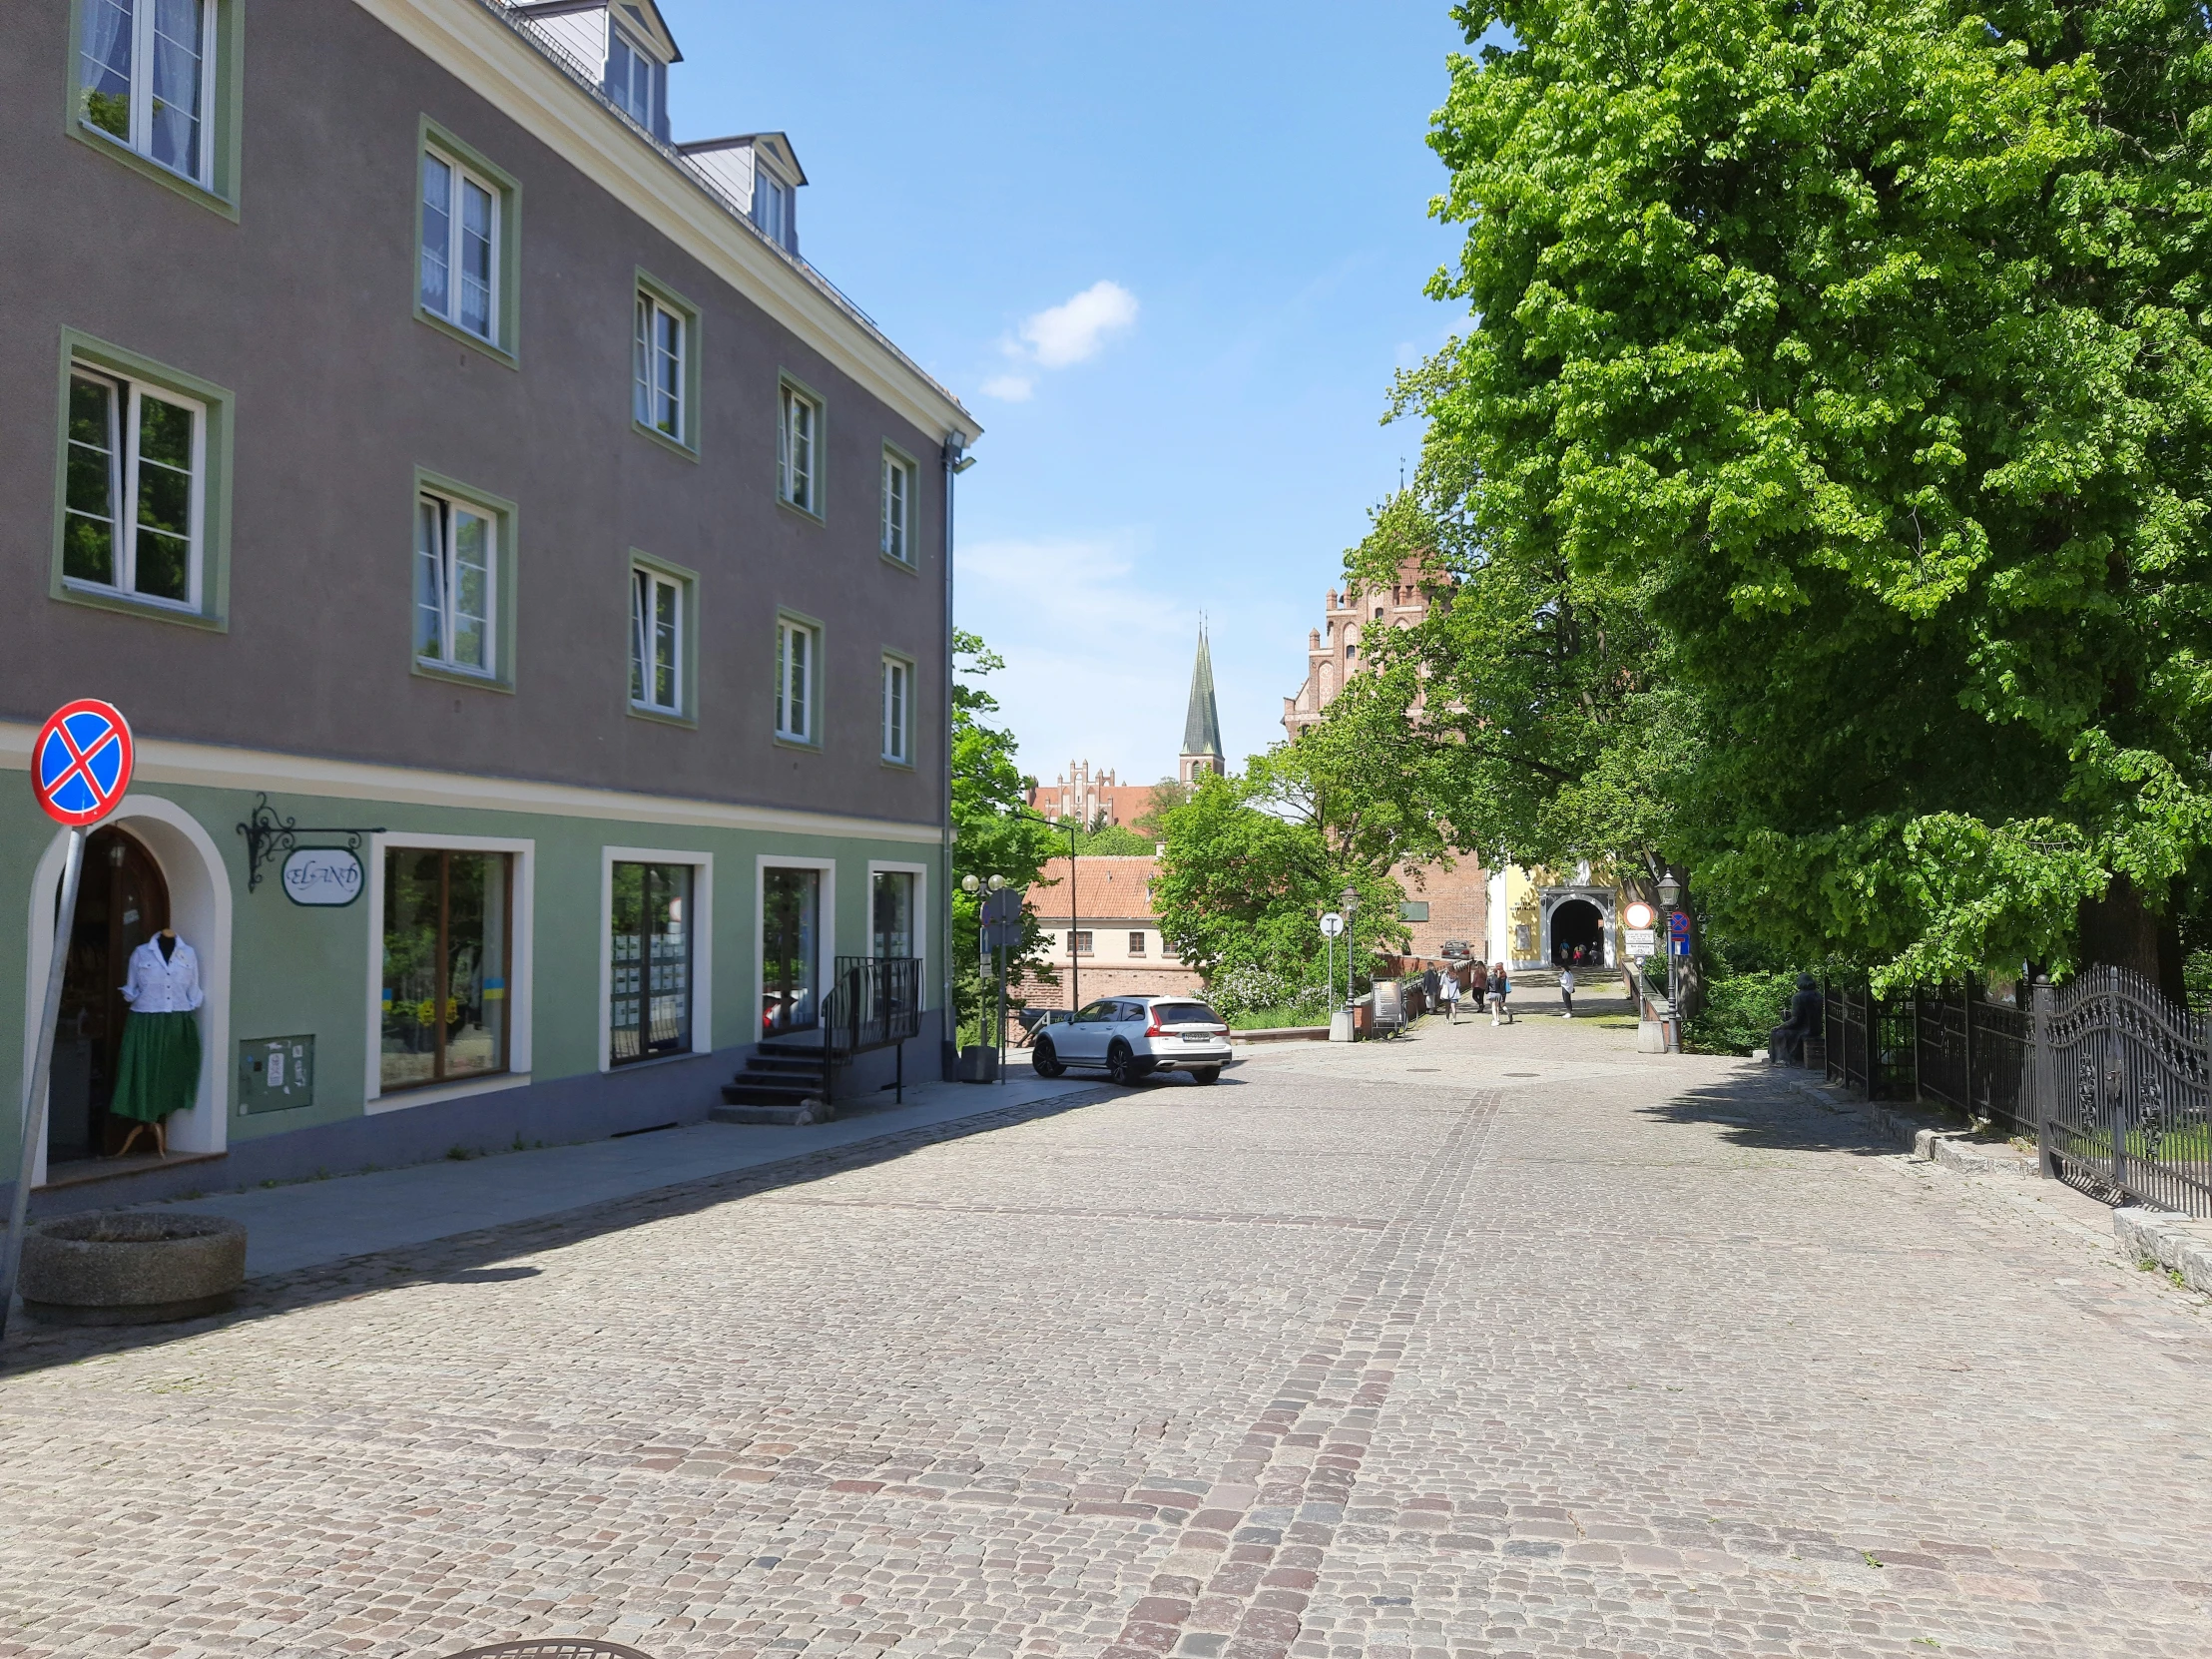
{"x":159,"y":1071}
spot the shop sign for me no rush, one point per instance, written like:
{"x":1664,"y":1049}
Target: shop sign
{"x":322,"y":875}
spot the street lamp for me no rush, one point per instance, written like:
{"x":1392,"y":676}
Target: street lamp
{"x":1669,"y":892}
{"x":1350,"y":900}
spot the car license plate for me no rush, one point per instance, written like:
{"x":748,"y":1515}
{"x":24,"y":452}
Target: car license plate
{"x":1198,"y":1036}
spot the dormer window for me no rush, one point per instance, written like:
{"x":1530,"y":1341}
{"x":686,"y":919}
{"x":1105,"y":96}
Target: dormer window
{"x":756,"y":175}
{"x":772,"y":209}
{"x":630,"y":77}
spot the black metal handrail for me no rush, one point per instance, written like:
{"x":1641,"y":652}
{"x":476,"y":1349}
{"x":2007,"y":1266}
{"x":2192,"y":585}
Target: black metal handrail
{"x":872,"y":1002}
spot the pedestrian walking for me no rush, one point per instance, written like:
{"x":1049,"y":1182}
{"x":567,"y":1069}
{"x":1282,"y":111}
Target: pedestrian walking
{"x":1566,"y":991}
{"x":1447,"y":992}
{"x":1500,"y":986}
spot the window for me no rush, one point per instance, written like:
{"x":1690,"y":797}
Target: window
{"x":630,"y":78}
{"x":648,"y":1011}
{"x":774,"y":208}
{"x":134,"y":490}
{"x":447,"y":938}
{"x":456,"y":584}
{"x":461,"y":258}
{"x":145,"y":78}
{"x":797,"y":646}
{"x":899,"y":507}
{"x":790,"y":910}
{"x":1082,"y":942}
{"x":660,"y":370}
{"x":1136,"y":944}
{"x":898,"y":684}
{"x":655,"y":642}
{"x":797,"y":453}
{"x":892,"y":912}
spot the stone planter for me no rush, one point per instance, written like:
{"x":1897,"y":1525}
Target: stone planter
{"x":978,"y":1064}
{"x":130,"y":1267}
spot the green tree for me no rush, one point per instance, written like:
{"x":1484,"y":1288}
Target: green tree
{"x":990,"y":837}
{"x":1253,"y":861}
{"x":1860,"y":349}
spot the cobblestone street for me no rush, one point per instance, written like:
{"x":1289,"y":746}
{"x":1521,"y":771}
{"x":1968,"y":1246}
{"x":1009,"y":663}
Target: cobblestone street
{"x":1485,"y":1342}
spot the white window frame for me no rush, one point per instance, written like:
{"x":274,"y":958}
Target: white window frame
{"x":898,"y":508}
{"x":646,"y":584}
{"x":140,"y":118}
{"x":448,"y":556}
{"x":920,"y":873}
{"x":898,"y":710}
{"x":125,"y":397}
{"x":826,"y":925}
{"x":646,"y":364}
{"x":806,"y":675}
{"x":461,"y":173}
{"x":799,"y":484}
{"x":774,"y":202}
{"x":642,"y":63}
{"x":702,"y":934}
{"x":521,"y":977}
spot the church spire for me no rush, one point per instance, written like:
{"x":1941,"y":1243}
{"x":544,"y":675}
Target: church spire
{"x":1201,"y":726}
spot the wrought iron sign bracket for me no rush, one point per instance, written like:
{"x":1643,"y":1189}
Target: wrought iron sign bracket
{"x":270,"y":837}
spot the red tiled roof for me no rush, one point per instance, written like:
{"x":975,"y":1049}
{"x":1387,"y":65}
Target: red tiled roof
{"x":1108,"y":888}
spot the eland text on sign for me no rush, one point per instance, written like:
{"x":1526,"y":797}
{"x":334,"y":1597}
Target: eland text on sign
{"x":322,"y":875}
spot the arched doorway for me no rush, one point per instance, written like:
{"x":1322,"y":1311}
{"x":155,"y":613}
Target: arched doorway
{"x":1577,"y":924}
{"x":198,"y":888}
{"x":122,"y":901}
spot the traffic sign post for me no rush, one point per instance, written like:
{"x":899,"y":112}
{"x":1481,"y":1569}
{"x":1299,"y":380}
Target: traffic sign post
{"x":80,"y":765}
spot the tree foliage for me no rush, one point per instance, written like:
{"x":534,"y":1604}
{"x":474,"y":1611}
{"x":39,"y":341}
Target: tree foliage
{"x":1827,"y":458}
{"x":1254,"y":862}
{"x":990,"y":837}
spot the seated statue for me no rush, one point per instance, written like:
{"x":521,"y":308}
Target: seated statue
{"x":1786,"y":1042}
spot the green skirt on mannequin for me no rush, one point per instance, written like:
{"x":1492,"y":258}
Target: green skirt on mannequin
{"x":159,"y":1071}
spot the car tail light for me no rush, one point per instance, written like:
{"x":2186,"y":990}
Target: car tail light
{"x":1153,"y":1029}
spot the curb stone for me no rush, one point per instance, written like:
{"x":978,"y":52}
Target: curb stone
{"x":2179,"y":1244}
{"x":1956,"y":1149}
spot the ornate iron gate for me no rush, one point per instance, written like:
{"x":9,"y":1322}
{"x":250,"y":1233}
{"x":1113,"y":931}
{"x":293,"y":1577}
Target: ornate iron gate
{"x":2120,"y":1079}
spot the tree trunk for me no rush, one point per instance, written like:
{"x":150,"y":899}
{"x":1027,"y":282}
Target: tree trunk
{"x":2124,"y":931}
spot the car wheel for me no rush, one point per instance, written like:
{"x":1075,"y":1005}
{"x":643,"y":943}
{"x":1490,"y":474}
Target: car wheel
{"x":1048,"y":1063}
{"x":1122,"y":1069}
{"x":1206,"y":1074}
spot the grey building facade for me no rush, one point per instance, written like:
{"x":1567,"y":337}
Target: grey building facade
{"x":403,"y":429}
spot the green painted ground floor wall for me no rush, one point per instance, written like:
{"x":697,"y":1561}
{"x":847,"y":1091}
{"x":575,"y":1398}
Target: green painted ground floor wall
{"x":295,"y":970}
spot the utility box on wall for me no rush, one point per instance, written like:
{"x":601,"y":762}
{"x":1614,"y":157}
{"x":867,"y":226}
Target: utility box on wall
{"x":276,"y":1074}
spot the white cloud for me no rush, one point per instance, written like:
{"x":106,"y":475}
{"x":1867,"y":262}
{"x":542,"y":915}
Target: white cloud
{"x":1098,"y":662}
{"x":1009,"y":389}
{"x":1076,"y":330}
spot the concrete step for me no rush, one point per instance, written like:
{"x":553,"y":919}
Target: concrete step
{"x":753,"y":1091}
{"x":784,"y":1115}
{"x":777,"y":1065}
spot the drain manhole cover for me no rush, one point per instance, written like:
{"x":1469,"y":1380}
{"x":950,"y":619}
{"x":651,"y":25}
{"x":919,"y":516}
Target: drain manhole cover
{"x":1525,"y":1074}
{"x":553,"y":1647}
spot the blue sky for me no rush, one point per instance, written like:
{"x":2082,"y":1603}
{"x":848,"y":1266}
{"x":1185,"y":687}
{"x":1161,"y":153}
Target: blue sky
{"x":1170,"y":255}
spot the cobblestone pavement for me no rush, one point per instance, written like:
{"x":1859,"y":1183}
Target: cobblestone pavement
{"x":1484,"y":1342}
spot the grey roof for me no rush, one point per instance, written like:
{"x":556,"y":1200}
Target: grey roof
{"x":1201,"y":726}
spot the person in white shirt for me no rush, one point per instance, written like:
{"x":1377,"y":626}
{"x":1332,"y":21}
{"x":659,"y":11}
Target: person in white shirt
{"x":158,"y":1071}
{"x":1566,"y":990}
{"x":1447,"y":992}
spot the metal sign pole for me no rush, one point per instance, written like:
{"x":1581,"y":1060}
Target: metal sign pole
{"x":33,"y":1121}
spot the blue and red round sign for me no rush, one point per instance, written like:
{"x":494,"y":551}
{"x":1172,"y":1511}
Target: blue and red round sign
{"x":81,"y":763}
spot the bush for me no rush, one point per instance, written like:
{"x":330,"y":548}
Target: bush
{"x":1245,"y":987}
{"x":1740,"y":1012}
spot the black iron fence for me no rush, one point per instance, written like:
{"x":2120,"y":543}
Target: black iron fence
{"x":2112,"y":1080}
{"x":873,"y":1002}
{"x":2120,"y":1080}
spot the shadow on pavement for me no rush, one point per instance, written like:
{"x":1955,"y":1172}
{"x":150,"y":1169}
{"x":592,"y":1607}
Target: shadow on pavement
{"x":1761,"y":1110}
{"x":471,"y":1258}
